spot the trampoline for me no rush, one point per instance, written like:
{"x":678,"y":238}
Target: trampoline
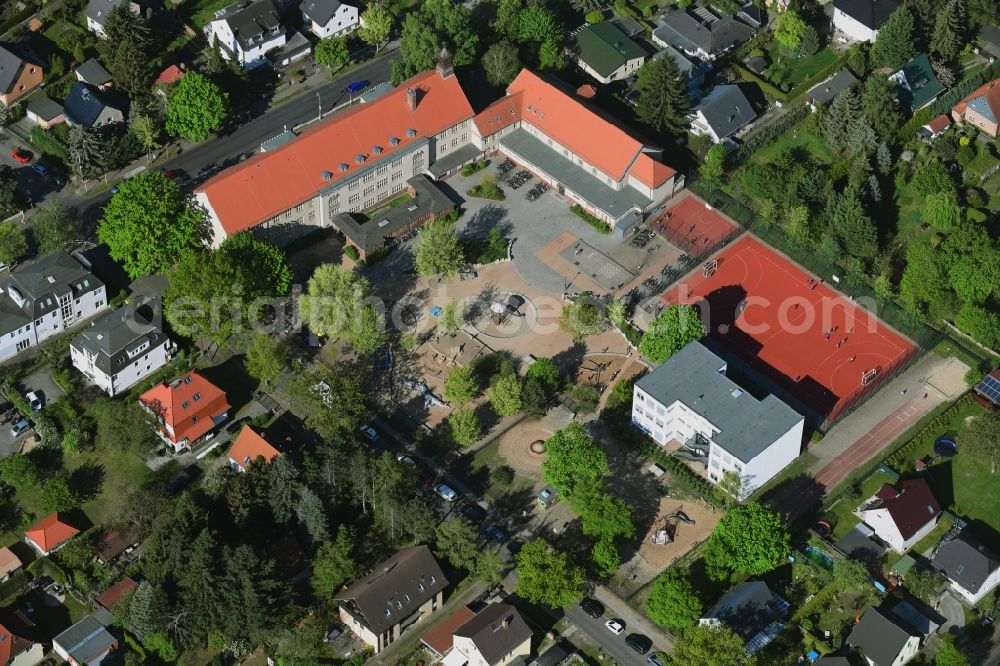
{"x":823,"y":528}
{"x":945,"y":447}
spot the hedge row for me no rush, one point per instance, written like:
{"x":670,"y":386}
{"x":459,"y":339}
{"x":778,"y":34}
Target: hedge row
{"x":682,"y":473}
{"x":928,"y":432}
{"x":601,"y":227}
{"x":820,"y":599}
{"x":352,"y":252}
{"x":817,"y":77}
{"x":769,"y":88}
{"x":768,"y":133}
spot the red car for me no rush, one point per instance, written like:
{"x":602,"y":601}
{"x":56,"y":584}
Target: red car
{"x":22,"y":156}
{"x":173,"y":174}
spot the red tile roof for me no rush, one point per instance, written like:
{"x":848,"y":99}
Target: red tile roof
{"x":11,"y":643}
{"x":911,"y":505}
{"x":651,"y":172}
{"x":272,"y":182}
{"x":586,"y":91}
{"x":566,"y":119}
{"x":187,"y":405}
{"x":441,"y":637}
{"x":501,"y":113}
{"x":249,"y":446}
{"x":938,"y":124}
{"x":109,"y":597}
{"x":9,"y":563}
{"x":170,"y":75}
{"x":991,"y":91}
{"x":50,"y":532}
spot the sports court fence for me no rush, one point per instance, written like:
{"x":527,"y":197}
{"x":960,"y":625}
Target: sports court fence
{"x":675,"y":230}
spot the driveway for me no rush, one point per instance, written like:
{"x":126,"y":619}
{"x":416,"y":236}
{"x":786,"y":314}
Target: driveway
{"x":953,"y":612}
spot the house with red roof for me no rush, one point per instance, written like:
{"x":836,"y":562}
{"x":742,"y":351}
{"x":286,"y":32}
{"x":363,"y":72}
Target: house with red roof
{"x":187,"y":409}
{"x":582,"y":154}
{"x":901,"y":515}
{"x":16,"y":645}
{"x":371,"y":152}
{"x":49,"y":534}
{"x":10,"y":564}
{"x":935,"y":127}
{"x":981,"y":108}
{"x":249,"y":446}
{"x":109,"y":597}
{"x":171,"y":74}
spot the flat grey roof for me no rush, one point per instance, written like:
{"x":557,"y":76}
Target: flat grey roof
{"x":454,"y":158}
{"x":591,"y":188}
{"x":696,"y":377}
{"x":825,"y":91}
{"x":376,"y":91}
{"x":45,"y":107}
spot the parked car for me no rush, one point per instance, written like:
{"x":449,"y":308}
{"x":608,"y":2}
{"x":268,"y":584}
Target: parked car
{"x":494,"y":533}
{"x":475,"y":513}
{"x":19,"y":428}
{"x":39,"y":169}
{"x":236,"y":425}
{"x":174,"y":174}
{"x":357,"y":86}
{"x":58,"y":589}
{"x":445,"y":492}
{"x":592,"y":607}
{"x":654,"y":660}
{"x":406,"y":460}
{"x":300,"y":76}
{"x":370,"y":433}
{"x":21,"y":155}
{"x":639,"y":643}
{"x":42,"y":582}
{"x":615,"y":626}
{"x":34,"y":400}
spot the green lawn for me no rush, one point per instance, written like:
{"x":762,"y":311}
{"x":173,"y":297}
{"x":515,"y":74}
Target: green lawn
{"x":841,"y":514}
{"x":795,"y":138}
{"x":787,"y":71}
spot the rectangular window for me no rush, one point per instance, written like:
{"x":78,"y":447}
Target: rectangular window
{"x":299,"y":207}
{"x":368,"y":176}
{"x":354,"y":184}
{"x":369,"y":190}
{"x":397,"y":175}
{"x":382,"y":183}
{"x":397,"y":162}
{"x":382,"y":169}
{"x":354,"y":198}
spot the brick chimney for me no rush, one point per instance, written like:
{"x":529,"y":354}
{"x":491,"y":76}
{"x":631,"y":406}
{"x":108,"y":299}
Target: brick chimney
{"x":411,"y":99}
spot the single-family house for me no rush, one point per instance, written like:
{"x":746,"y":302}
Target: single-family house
{"x":826,"y":91}
{"x":398,"y":593}
{"x":93,"y":73}
{"x":45,"y":297}
{"x":88,"y":107}
{"x":10,"y":564}
{"x":111,"y":544}
{"x":329,"y":18}
{"x":109,"y":597}
{"x":988,"y":41}
{"x":249,"y":446}
{"x":915,"y":617}
{"x":172,"y":74}
{"x":88,"y":642}
{"x":935,"y":127}
{"x":18,"y":76}
{"x":45,"y":112}
{"x":440,"y":640}
{"x":833,"y":660}
{"x":882,"y":641}
{"x":705,"y":36}
{"x":860,"y":20}
{"x":692,"y":72}
{"x":901,"y":515}
{"x":981,"y":108}
{"x":49,"y":534}
{"x":17,"y":647}
{"x":247,"y":32}
{"x":974,"y":570}
{"x":187,"y":409}
{"x":98,"y":11}
{"x":606,"y":53}
{"x":916,"y":84}
{"x":120,"y":349}
{"x":722,"y":113}
{"x":495,"y":636}
{"x":688,"y":402}
{"x":752,"y":610}
{"x":753,"y":15}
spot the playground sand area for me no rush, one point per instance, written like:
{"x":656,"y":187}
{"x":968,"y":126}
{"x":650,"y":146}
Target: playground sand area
{"x":655,"y":558}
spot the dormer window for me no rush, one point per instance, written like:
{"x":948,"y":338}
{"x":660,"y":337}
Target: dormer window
{"x":420,"y":586}
{"x":343,"y":167}
{"x":411,"y":132}
{"x":393,"y":141}
{"x":431,"y":580}
{"x":197,"y":397}
{"x":187,"y":379}
{"x":359,"y":158}
{"x":387,"y":611}
{"x":377,"y":150}
{"x":185,"y":404}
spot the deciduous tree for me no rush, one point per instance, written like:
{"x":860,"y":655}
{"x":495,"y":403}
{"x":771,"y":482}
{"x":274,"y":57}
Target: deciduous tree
{"x":332,"y":53}
{"x":464,"y":427}
{"x":501,"y":63}
{"x":57,"y":495}
{"x":673,"y":329}
{"x":13,"y":243}
{"x":980,"y":323}
{"x":376,"y":25}
{"x":605,"y":557}
{"x":196,"y":107}
{"x":461,"y":385}
{"x":334,"y":304}
{"x":582,"y":318}
{"x":438,"y":252}
{"x":789,"y":30}
{"x":435,"y":25}
{"x":54,"y":224}
{"x":148,"y":225}
{"x":709,"y":646}
{"x":18,"y":470}
{"x":573,"y":458}
{"x":505,"y":395}
{"x":458,"y":541}
{"x":673,"y":601}
{"x":941,"y":210}
{"x":265,"y":358}
{"x":748,"y":541}
{"x":714,"y":166}
{"x":547,"y":576}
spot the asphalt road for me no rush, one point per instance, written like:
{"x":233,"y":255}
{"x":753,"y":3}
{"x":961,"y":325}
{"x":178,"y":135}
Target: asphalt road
{"x":613,"y":645}
{"x":245,"y":139}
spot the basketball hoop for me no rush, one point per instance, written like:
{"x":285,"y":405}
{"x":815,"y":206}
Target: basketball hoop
{"x":708,"y":270}
{"x":868,"y":376}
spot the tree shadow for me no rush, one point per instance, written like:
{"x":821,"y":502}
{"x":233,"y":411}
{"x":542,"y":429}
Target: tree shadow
{"x":569,"y":360}
{"x":48,"y":459}
{"x":87,"y":480}
{"x":490,"y":216}
{"x":797,"y":499}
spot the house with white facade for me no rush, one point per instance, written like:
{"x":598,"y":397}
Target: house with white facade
{"x":18,"y":646}
{"x":88,"y":641}
{"x":187,"y":409}
{"x":690,"y":406}
{"x":247,"y":32}
{"x":98,"y":10}
{"x":901,"y":515}
{"x":329,"y":18}
{"x":606,"y":53}
{"x":882,"y":641}
{"x":120,"y":349}
{"x":45,"y":297}
{"x":722,"y":113}
{"x":495,"y":636}
{"x":860,"y":20}
{"x":974,"y":570}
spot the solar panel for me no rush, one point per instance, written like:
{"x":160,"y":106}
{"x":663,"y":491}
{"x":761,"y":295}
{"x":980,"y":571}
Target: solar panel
{"x":989,"y":388}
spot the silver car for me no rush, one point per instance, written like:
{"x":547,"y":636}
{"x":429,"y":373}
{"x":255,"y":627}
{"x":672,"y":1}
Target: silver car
{"x":19,"y":428}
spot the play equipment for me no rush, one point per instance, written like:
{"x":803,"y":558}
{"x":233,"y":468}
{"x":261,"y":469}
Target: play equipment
{"x":668,"y":532}
{"x":945,"y":447}
{"x":823,"y":528}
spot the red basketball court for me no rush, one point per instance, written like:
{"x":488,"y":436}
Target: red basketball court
{"x":809,"y":339}
{"x":693,"y":226}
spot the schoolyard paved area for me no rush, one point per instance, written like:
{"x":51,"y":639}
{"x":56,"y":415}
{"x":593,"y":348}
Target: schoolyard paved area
{"x":867,"y":432}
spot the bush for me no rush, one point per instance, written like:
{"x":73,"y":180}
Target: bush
{"x":586,"y":397}
{"x":595,"y":16}
{"x":352,"y":252}
{"x":601,"y":227}
{"x":502,"y":476}
{"x":47,"y":143}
